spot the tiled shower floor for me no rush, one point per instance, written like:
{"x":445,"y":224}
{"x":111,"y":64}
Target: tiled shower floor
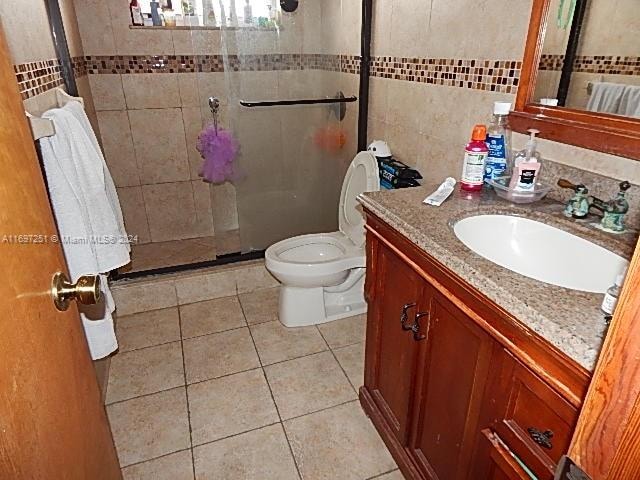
{"x":221,"y":390}
{"x":149,"y":256}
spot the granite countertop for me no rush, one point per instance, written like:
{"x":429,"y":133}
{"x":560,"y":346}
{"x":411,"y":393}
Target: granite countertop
{"x":569,"y":319}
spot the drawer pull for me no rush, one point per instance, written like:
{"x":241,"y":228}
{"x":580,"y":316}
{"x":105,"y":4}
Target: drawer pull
{"x":541,"y":438}
{"x":417,"y":336}
{"x":404,"y":316}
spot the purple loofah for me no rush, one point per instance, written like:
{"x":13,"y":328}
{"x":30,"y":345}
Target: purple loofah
{"x":219,"y":152}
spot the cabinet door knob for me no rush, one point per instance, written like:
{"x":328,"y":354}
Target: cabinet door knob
{"x":417,"y":336}
{"x":404,"y":316}
{"x":541,"y":438}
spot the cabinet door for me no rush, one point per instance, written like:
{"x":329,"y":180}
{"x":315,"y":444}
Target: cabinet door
{"x":391,"y":349}
{"x":451,"y":386}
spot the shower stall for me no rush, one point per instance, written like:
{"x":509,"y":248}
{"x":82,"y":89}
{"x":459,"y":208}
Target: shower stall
{"x":287,"y":85}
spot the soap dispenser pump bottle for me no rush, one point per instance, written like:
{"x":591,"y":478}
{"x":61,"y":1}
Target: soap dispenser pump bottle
{"x":526,"y":165}
{"x":475,"y":157}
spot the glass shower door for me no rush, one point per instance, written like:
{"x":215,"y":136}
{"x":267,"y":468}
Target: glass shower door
{"x":292,"y":159}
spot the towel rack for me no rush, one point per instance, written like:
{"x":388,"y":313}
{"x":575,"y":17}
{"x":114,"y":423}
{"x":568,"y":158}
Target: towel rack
{"x":313,"y":101}
{"x":591,"y":83}
{"x":43,"y":127}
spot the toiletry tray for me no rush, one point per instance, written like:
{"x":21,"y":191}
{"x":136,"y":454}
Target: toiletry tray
{"x":501,"y":186}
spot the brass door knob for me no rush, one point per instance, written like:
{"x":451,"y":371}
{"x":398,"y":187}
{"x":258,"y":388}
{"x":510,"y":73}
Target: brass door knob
{"x":86,"y":290}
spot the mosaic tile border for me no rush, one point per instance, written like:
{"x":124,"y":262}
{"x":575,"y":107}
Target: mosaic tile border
{"x":131,"y":64}
{"x":39,"y":77}
{"x":476,"y":74}
{"x":600,"y":64}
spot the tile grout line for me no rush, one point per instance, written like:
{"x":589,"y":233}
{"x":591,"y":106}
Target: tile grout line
{"x":155,"y":458}
{"x":338,"y":361}
{"x":186,"y":392}
{"x":264,"y":375}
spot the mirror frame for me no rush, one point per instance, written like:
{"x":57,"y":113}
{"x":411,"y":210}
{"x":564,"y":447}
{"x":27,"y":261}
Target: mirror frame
{"x":602,"y":132}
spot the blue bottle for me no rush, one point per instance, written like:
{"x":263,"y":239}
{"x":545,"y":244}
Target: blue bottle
{"x":498,"y":142}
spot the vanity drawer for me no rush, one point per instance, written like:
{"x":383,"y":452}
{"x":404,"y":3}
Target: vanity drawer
{"x":532,"y":419}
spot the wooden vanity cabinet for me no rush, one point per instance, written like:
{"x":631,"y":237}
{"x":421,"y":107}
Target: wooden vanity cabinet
{"x":441,"y":385}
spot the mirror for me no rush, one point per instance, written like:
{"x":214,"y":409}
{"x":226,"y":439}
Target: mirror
{"x":580,"y":78}
{"x":591,"y":57}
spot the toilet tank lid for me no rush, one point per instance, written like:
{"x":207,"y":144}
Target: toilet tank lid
{"x":362,"y":176}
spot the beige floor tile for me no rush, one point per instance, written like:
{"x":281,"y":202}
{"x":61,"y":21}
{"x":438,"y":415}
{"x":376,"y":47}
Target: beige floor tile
{"x":177,"y":466}
{"x":337,"y":443}
{"x":258,"y":455}
{"x":260,"y":306}
{"x":395,"y":475}
{"x":145,"y":371}
{"x":347,"y":331}
{"x":147,"y":329}
{"x":148,"y":427}
{"x":212,"y":316}
{"x":219,"y":354}
{"x":230,"y":405}
{"x":351,"y":359}
{"x":276,"y":343}
{"x":308,"y":384}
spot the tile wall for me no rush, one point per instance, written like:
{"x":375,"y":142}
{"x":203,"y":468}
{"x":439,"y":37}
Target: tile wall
{"x":149,"y":122}
{"x":427,"y":124}
{"x":26,"y":28}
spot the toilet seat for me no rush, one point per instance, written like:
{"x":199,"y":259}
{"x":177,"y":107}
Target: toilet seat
{"x":301,"y":258}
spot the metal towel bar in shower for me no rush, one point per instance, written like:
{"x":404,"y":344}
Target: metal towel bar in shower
{"x":313,"y":101}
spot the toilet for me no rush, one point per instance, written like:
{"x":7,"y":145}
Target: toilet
{"x":322,"y":275}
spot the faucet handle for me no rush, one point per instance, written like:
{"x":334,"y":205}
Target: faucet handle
{"x":563,"y":183}
{"x":624,"y":186}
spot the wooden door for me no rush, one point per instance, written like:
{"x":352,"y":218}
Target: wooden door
{"x":52,"y":421}
{"x":391,"y":349}
{"x":451,"y":384}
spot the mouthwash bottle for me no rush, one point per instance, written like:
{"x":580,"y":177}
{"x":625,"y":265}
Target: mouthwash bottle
{"x":498,"y":142}
{"x":475,"y":156}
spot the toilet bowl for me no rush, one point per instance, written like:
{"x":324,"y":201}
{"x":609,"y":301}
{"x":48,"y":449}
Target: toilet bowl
{"x":322,"y":275}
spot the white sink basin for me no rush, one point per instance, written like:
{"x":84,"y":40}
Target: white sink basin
{"x":541,"y":252}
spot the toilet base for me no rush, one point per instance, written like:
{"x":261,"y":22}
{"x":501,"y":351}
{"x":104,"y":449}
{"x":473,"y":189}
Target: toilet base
{"x":300,"y":307}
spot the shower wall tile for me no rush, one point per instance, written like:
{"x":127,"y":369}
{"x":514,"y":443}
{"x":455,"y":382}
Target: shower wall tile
{"x":107,"y":92}
{"x":84,"y":90}
{"x":212,"y":84}
{"x":203,"y":225}
{"x":159,"y":141}
{"x":197,"y":42}
{"x":71,"y":29}
{"x":312,"y":28}
{"x":130,"y":41}
{"x":134,"y":213}
{"x":94,"y":22}
{"x":192,"y":119}
{"x":177,"y":211}
{"x":149,"y":90}
{"x":189,"y":91}
{"x":225,"y":209}
{"x":117,"y":144}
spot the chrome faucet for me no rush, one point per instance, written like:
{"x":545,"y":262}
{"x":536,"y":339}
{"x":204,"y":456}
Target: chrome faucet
{"x":613,"y":211}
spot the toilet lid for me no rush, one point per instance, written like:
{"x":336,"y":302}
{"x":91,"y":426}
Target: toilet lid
{"x":362,"y":176}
